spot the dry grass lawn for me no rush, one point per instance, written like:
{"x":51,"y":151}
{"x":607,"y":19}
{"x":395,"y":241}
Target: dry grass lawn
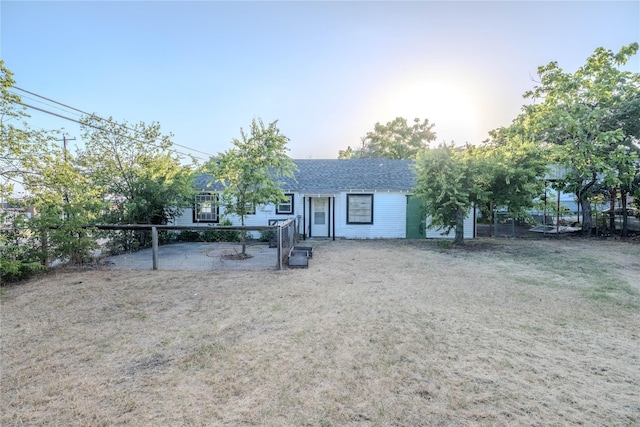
{"x":380,"y":333}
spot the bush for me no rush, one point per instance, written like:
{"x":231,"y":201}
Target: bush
{"x":16,"y":270}
{"x":19,"y":256}
{"x":190,"y":236}
{"x":228,"y":235}
{"x":267,"y":235}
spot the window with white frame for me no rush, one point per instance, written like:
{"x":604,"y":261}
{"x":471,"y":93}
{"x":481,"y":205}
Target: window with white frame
{"x":249,"y":208}
{"x":359,"y":208}
{"x":206,"y":208}
{"x":285,"y":207}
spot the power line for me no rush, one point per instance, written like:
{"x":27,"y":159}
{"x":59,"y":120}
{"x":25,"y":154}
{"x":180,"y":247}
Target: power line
{"x":106,"y":130}
{"x":22,"y":97}
{"x":99,"y":118}
{"x":113,"y":123}
{"x":51,"y":100}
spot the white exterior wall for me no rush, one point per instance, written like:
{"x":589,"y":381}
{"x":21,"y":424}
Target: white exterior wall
{"x":185,"y":219}
{"x":261,"y":217}
{"x":469,"y":229}
{"x":389,"y":217}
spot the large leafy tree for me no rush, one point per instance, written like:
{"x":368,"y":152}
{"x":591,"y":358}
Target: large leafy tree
{"x":447,"y":182}
{"x":62,"y":199}
{"x":625,"y":116}
{"x":395,"y":140}
{"x":141,"y":178}
{"x":251,"y":171}
{"x":512,"y":167}
{"x":66,"y":202}
{"x":20,"y":145}
{"x":589,"y":119}
{"x":17,"y":255}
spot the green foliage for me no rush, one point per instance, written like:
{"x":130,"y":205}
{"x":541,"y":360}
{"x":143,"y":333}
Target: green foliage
{"x":13,"y":138}
{"x":252,"y":170}
{"x":18,"y":256}
{"x":510,"y":168}
{"x":14,"y":270}
{"x":124,"y":174}
{"x":395,"y":140}
{"x":267,"y":235}
{"x":227,"y":235}
{"x":66,"y":202}
{"x":210,"y":234}
{"x":446,"y":183}
{"x":589,"y":119}
{"x":63,"y":200}
{"x":136,"y":174}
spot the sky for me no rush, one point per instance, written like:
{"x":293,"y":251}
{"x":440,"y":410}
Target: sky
{"x":328,"y":71}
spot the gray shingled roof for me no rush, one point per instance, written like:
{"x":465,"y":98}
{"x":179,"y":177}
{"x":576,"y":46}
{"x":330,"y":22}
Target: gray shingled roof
{"x":329,"y":176}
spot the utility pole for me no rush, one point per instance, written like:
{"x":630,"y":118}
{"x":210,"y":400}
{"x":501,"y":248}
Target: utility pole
{"x":64,"y":145}
{"x":64,"y":153}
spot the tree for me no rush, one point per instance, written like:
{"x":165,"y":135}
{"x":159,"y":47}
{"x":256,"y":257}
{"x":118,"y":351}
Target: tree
{"x":33,"y":160}
{"x":66,"y":203}
{"x":395,"y":140}
{"x":19,"y":144}
{"x":511,"y":171}
{"x":251,"y":171}
{"x":625,"y":116}
{"x":585,"y":117}
{"x":140,"y":177}
{"x":446,"y":181}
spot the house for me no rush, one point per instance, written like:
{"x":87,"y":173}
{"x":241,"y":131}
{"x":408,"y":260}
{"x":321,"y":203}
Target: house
{"x":10,"y":212}
{"x":336,"y":198}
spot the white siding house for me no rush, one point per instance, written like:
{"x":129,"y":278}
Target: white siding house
{"x":469,"y":229}
{"x":353,"y":199}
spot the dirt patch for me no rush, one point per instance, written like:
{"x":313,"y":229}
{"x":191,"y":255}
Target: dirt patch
{"x":502,"y":332}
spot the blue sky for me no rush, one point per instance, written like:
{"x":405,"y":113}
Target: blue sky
{"x":328,"y":71}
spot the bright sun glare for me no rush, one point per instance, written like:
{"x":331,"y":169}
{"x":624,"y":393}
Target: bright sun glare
{"x":451,"y":110}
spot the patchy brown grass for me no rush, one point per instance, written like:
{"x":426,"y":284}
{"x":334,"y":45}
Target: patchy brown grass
{"x":510,"y":332}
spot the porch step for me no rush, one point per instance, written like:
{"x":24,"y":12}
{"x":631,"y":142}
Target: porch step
{"x":307,"y":249}
{"x":298,"y":261}
{"x":299,"y":256}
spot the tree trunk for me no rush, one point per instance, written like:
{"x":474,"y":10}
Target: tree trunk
{"x":491,"y":222}
{"x":44,"y":250}
{"x":612,"y":207}
{"x":625,"y":224}
{"x":583,"y":197}
{"x":459,"y":236}
{"x":243,"y":237}
{"x":586,"y":217}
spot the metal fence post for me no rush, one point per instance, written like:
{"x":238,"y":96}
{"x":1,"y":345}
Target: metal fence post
{"x":154,"y":245}
{"x":279,"y":247}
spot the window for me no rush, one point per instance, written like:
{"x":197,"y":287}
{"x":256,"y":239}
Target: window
{"x":359,"y":208}
{"x":249,"y":208}
{"x":285,"y":207}
{"x":206,"y":208}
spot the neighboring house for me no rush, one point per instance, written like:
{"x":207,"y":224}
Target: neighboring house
{"x":338,"y":198}
{"x":9,"y":212}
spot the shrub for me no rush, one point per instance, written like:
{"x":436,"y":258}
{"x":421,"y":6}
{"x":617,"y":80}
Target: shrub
{"x":228,"y":235}
{"x":267,"y":235}
{"x":19,"y":256}
{"x":16,"y":270}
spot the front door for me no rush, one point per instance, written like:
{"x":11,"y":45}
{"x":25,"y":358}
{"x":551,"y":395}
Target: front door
{"x":320,"y":217}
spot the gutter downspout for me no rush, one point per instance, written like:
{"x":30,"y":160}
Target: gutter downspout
{"x":333,"y":221}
